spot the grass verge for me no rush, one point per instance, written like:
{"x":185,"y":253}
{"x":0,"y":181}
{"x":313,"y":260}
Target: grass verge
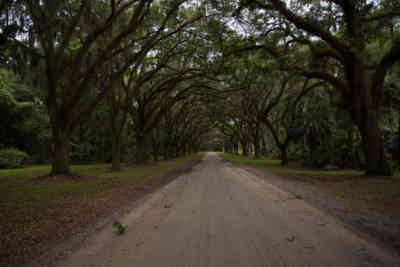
{"x":36,"y":212}
{"x":379,"y":194}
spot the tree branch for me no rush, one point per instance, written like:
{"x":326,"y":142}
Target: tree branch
{"x":310,"y":26}
{"x":341,"y":86}
{"x":390,"y":58}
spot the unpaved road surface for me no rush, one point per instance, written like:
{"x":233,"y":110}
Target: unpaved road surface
{"x":221,"y":215}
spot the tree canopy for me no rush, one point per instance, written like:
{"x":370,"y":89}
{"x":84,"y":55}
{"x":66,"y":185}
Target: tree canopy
{"x":312,"y":81}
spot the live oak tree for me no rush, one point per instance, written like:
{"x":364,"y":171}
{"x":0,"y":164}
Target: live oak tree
{"x":170,"y":72}
{"x":259,"y":90}
{"x":252,"y":101}
{"x":329,"y":135}
{"x":188,"y":124}
{"x":283,"y":120}
{"x":151,"y":90}
{"x":77,"y":39}
{"x":118,"y":117}
{"x":339,"y":33}
{"x":151,"y":67}
{"x":232,"y":125}
{"x":169,"y":122}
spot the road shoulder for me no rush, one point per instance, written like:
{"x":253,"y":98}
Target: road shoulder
{"x":366,"y":222}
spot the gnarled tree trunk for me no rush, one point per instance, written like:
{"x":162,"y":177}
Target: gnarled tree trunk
{"x":236,"y":148}
{"x":245,"y":149}
{"x":373,"y":146}
{"x":116,"y":152}
{"x":256,"y":149}
{"x":284,"y":155}
{"x":264,"y":151}
{"x":118,"y":118}
{"x":141,"y":144}
{"x":166,"y":151}
{"x":61,"y":148}
{"x":364,"y":111}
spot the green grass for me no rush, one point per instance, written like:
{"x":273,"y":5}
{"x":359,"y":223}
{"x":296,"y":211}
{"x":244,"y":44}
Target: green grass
{"x":17,"y":187}
{"x":292,"y":168}
{"x":30,"y":209}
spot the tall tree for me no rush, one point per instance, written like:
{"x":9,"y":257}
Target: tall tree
{"x":118,"y":117}
{"x":339,"y":33}
{"x":77,"y":40}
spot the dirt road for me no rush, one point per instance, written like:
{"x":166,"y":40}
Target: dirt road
{"x":220,"y":215}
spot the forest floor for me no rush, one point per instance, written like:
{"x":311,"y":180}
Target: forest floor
{"x":38,"y":212}
{"x":367,"y":204}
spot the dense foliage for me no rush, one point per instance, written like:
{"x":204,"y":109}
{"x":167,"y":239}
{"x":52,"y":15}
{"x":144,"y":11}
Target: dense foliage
{"x":12,"y":158}
{"x":133,"y":81}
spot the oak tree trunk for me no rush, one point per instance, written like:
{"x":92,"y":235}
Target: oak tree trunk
{"x":236,"y":148}
{"x":245,"y":149}
{"x":373,"y":147}
{"x":365,"y":115}
{"x":155,"y":151}
{"x":155,"y":155}
{"x":141,"y":153}
{"x":155,"y":145}
{"x":257,"y":149}
{"x":116,"y":152}
{"x":398,"y":141}
{"x":176,"y":150}
{"x":264,"y":151}
{"x":166,"y":151}
{"x":284,"y":156}
{"x":350,"y":134}
{"x":60,"y":160}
